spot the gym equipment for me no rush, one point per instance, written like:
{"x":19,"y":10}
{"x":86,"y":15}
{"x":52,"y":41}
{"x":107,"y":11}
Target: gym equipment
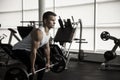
{"x":61,"y":63}
{"x":32,"y":23}
{"x":19,"y":74}
{"x":24,"y":31}
{"x":104,"y":35}
{"x":13,"y":33}
{"x":2,"y":37}
{"x":55,"y":49}
{"x":56,"y":57}
{"x":15,"y":73}
{"x":6,"y":48}
{"x":66,"y":34}
{"x":81,"y":52}
{"x":111,"y":54}
{"x":1,"y":50}
{"x":60,"y":22}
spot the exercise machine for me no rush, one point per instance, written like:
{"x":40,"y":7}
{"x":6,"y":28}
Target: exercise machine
{"x":6,"y":48}
{"x":65,"y":34}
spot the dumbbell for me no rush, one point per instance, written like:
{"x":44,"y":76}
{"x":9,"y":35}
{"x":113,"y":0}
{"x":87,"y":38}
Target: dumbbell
{"x":17,"y":73}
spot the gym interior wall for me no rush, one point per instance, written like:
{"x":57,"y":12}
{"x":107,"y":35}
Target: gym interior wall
{"x":107,"y":17}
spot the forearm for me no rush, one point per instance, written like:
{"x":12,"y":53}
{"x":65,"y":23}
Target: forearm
{"x":33,"y":58}
{"x":47,"y":53}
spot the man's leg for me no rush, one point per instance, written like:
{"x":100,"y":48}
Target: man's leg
{"x":40,"y":62}
{"x":24,"y":57}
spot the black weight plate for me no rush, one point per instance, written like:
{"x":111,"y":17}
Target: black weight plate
{"x":55,"y":50}
{"x":15,"y":74}
{"x":61,"y":64}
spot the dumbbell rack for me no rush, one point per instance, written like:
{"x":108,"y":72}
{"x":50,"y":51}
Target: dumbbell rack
{"x":110,"y":55}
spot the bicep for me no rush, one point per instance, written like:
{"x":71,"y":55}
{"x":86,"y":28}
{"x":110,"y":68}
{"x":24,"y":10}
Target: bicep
{"x":35,"y":45}
{"x":36,"y":39}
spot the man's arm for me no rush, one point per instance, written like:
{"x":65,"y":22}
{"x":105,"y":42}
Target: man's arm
{"x":36,"y":39}
{"x":47,"y":53}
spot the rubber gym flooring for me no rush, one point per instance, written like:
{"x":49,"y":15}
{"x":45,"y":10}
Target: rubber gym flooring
{"x":89,"y":69}
{"x":85,"y":70}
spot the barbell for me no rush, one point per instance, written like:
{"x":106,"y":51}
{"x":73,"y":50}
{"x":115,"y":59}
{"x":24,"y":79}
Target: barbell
{"x":15,"y":73}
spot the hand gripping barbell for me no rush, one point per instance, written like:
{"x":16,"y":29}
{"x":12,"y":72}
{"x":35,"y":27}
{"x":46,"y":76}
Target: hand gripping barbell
{"x":16,"y":73}
{"x":42,"y":69}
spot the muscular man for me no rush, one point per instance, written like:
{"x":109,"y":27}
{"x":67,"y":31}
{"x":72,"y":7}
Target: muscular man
{"x":26,"y":50}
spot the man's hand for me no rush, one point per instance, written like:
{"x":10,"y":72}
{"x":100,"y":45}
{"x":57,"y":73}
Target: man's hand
{"x":33,"y":71}
{"x":47,"y":67}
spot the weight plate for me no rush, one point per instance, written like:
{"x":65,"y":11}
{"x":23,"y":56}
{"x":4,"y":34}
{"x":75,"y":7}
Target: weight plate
{"x":61,"y":63}
{"x":15,"y":74}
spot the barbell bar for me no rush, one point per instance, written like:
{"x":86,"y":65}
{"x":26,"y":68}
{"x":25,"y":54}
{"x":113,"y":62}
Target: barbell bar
{"x":42,"y":69}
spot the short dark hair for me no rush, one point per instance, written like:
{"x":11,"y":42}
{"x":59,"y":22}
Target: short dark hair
{"x":47,"y":14}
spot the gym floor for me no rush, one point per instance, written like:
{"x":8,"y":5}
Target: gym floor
{"x":85,"y":70}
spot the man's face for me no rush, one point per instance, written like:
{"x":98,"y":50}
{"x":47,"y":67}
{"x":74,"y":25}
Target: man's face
{"x":50,"y":22}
